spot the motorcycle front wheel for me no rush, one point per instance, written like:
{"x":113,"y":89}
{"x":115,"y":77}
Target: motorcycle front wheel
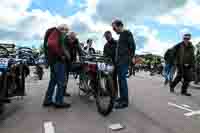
{"x":104,"y":96}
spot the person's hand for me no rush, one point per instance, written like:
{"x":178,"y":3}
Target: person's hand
{"x":63,"y":58}
{"x":67,"y":55}
{"x":133,"y":60}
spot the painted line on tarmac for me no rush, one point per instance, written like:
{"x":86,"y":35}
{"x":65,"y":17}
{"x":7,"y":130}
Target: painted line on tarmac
{"x":186,"y":108}
{"x":49,"y":127}
{"x":193,"y":113}
{"x":185,"y":105}
{"x":180,"y":107}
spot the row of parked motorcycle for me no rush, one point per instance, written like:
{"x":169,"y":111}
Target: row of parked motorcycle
{"x":14,"y":68}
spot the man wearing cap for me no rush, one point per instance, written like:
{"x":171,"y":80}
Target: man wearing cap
{"x":185,"y":60}
{"x":124,"y":50}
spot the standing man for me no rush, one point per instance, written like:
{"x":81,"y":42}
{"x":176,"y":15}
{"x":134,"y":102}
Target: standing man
{"x":169,"y":63}
{"x":185,"y":59}
{"x":109,"y":52}
{"x":125,"y":46}
{"x":73,"y":46}
{"x":56,"y":55}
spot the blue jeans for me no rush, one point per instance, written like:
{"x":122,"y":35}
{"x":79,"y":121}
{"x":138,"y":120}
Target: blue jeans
{"x":169,"y":72}
{"x":57,"y":77}
{"x":122,"y":72}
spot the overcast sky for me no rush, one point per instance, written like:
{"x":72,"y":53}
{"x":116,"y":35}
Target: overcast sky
{"x":156,"y":24}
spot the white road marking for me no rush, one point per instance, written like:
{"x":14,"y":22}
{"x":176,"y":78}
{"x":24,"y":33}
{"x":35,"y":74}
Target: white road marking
{"x":193,"y":113}
{"x":180,"y":107}
{"x":116,"y":127}
{"x":185,"y":105}
{"x":49,"y":127}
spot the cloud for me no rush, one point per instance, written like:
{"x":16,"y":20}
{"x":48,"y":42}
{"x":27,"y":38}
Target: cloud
{"x":31,"y":26}
{"x":70,"y":2}
{"x":91,"y":21}
{"x":147,"y":40}
{"x":188,"y":15}
{"x":11,"y":11}
{"x":134,"y":10}
{"x":21,"y":24}
{"x":184,"y":31}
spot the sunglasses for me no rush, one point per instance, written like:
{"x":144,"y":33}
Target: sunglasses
{"x":187,"y":38}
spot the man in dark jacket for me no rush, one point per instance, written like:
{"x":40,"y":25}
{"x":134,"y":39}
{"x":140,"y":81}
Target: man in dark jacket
{"x":109,"y":52}
{"x":169,"y":63}
{"x":73,"y":46}
{"x":124,"y":50}
{"x":185,"y":59}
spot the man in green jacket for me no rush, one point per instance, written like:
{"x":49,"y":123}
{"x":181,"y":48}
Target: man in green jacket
{"x":185,"y":60}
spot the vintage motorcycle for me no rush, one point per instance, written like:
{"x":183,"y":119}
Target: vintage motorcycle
{"x":96,"y":80}
{"x":26,"y":54}
{"x":12,"y":77}
{"x":39,"y":71}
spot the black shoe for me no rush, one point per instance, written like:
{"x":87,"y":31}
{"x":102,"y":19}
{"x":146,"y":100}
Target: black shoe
{"x":186,"y":94}
{"x":166,"y":82}
{"x":171,"y":88}
{"x":47,"y":104}
{"x":117,"y":100}
{"x":121,"y":105}
{"x":17,"y":93}
{"x":63,"y":105}
{"x":67,"y":94}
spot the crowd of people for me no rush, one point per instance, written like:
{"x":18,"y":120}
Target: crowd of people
{"x":62,"y":47}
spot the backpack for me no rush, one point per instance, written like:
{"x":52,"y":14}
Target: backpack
{"x":53,"y":42}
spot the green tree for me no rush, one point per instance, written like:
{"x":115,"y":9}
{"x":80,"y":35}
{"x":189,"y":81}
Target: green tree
{"x":41,"y":49}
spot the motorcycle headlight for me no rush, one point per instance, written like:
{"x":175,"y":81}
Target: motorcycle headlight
{"x":110,"y":68}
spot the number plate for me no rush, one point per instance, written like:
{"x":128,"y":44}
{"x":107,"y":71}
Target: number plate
{"x":4,"y":63}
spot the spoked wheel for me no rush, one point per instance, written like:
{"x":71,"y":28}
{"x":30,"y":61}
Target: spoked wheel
{"x":104,"y":99}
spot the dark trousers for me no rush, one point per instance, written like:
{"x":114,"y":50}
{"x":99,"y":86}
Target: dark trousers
{"x":67,"y":71}
{"x":122,"y":72}
{"x":57,"y":77}
{"x":132,"y":69}
{"x":168,"y":72}
{"x":115,"y":83}
{"x":184,"y":72}
{"x":21,"y":72}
